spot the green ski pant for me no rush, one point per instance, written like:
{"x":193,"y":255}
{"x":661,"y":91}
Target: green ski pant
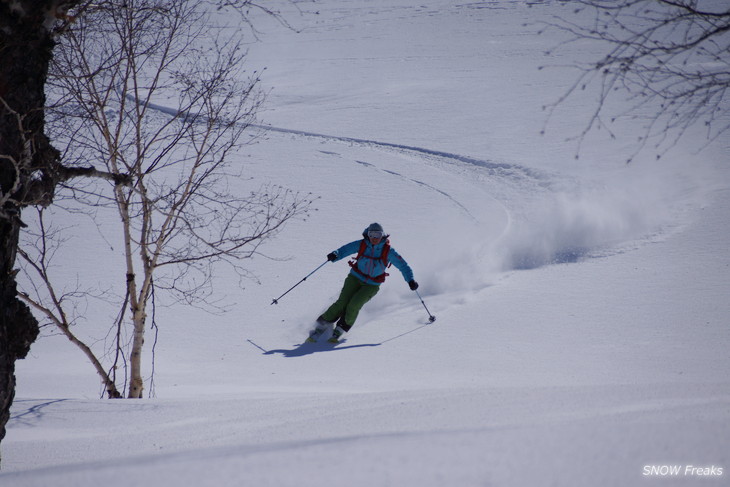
{"x":353,"y":297}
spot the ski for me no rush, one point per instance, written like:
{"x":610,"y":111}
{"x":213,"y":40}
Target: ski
{"x":315,"y":337}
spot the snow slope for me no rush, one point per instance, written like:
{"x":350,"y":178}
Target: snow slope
{"x":581,"y":306}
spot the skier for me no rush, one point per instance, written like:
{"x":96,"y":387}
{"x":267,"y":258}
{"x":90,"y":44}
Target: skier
{"x":374,"y":255}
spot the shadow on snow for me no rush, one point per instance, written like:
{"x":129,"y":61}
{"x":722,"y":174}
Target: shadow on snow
{"x":310,"y":348}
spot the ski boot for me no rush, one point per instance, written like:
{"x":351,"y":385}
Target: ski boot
{"x":336,"y":334}
{"x":322,"y":327}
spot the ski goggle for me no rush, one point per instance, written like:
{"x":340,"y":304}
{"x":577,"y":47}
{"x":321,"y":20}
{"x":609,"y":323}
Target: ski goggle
{"x":375,"y":234}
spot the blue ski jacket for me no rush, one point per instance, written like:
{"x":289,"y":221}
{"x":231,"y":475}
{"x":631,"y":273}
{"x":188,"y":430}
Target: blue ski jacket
{"x":371,"y":265}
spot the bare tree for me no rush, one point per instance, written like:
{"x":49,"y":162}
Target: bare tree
{"x":180,"y":215}
{"x":671,"y":58}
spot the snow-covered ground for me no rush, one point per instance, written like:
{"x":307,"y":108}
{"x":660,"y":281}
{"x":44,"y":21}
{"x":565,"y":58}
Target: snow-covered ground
{"x":582,"y":305}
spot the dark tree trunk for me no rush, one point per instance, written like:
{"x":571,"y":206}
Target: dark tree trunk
{"x":28,"y":166}
{"x":18,"y":327}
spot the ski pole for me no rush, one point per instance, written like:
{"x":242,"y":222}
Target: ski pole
{"x":431,"y":318}
{"x":276,"y":300}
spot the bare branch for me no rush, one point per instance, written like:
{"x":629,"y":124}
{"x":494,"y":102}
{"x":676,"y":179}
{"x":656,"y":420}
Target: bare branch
{"x":667,"y":56}
{"x":55,"y":310}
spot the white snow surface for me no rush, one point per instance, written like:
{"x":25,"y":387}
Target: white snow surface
{"x":582,"y":305}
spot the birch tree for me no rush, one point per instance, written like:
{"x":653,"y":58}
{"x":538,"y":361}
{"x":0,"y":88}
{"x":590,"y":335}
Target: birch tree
{"x":148,"y":88}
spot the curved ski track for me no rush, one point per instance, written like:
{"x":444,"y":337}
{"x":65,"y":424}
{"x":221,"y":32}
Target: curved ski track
{"x":499,"y":174}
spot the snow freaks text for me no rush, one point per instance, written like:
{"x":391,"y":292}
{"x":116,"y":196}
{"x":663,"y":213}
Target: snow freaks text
{"x":681,"y":471}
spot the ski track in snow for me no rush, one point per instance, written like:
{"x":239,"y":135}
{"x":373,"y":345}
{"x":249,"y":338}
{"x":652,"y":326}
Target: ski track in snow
{"x":494,"y":168}
{"x":498,"y":182}
{"x":521,"y":176}
{"x":503,"y":171}
{"x":512,"y":172}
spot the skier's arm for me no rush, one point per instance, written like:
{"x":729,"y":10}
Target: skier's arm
{"x":344,"y":251}
{"x":401,"y":264}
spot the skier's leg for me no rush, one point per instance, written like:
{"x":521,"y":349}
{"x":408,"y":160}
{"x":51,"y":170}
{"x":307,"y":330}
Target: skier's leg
{"x":358,"y":300}
{"x":336,"y":310}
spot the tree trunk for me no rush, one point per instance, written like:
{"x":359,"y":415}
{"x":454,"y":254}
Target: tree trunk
{"x":27,"y":166}
{"x":136,"y":385}
{"x":18,"y":327}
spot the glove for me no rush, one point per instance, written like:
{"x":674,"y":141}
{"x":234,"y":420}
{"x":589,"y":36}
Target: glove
{"x":413,"y":285}
{"x":332,"y":256}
